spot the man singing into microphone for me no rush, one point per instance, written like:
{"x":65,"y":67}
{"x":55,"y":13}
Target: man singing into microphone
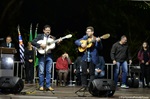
{"x":45,"y":60}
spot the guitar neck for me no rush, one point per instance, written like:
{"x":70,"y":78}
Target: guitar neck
{"x":57,"y":40}
{"x":92,"y":41}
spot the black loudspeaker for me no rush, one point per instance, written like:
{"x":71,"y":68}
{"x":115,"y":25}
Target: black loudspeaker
{"x":102,"y":87}
{"x":133,"y":81}
{"x":11,"y":85}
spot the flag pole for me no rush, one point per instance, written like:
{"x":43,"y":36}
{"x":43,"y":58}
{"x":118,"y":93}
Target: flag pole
{"x":35,"y":59}
{"x":21,"y":50}
{"x":30,"y":36}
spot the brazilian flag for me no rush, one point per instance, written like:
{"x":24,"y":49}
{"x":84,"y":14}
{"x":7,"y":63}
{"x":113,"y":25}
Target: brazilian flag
{"x":36,"y":59}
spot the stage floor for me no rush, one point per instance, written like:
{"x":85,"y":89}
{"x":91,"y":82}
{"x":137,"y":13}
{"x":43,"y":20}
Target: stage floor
{"x":68,"y":92}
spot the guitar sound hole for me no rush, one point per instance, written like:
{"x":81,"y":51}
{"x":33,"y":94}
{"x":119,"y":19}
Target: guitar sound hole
{"x":48,"y":43}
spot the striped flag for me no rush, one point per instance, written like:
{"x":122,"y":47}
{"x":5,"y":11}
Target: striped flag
{"x":21,"y":46}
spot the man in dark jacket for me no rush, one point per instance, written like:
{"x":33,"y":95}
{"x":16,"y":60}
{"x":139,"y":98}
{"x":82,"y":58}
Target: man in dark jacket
{"x":119,"y":55}
{"x":8,"y":43}
{"x":44,"y":56}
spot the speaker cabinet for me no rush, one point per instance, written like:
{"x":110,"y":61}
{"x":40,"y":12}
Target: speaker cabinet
{"x":11,"y":85}
{"x":102,"y":87}
{"x":133,"y":81}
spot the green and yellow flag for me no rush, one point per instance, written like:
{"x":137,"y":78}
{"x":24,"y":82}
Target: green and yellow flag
{"x":30,"y":39}
{"x":36,"y":59}
{"x":30,"y":36}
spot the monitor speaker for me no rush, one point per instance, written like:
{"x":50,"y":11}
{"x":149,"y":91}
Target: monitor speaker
{"x":11,"y":85}
{"x":102,"y":87}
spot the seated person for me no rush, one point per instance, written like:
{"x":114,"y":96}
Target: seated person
{"x":8,"y":43}
{"x":78,"y":69}
{"x":99,"y":69}
{"x":62,"y":67}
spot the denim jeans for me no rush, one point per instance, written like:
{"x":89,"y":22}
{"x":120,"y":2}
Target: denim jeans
{"x":99,"y":75}
{"x":45,"y":65}
{"x":124,"y":71}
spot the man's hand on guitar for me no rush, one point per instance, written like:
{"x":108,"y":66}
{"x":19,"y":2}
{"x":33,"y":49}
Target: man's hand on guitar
{"x":83,"y":45}
{"x":59,"y":40}
{"x":43,"y":46}
{"x":98,"y":39}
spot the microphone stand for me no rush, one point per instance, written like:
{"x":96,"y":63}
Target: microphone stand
{"x":85,"y":87}
{"x":45,"y":63}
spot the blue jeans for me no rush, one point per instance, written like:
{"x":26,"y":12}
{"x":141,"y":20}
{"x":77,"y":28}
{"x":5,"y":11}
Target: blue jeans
{"x":42,"y":67}
{"x":124,"y":71}
{"x":99,"y":75}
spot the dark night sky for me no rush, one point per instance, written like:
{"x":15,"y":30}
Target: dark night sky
{"x":73,"y":15}
{"x":60,"y":14}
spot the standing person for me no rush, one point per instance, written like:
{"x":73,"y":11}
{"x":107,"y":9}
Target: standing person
{"x":89,"y":55}
{"x":144,"y":59}
{"x":45,"y":60}
{"x":119,"y":55}
{"x":29,"y":63}
{"x":62,"y":67}
{"x":8,"y":43}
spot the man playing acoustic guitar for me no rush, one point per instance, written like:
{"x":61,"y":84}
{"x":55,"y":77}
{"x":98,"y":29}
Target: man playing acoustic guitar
{"x":89,"y":46}
{"x":45,"y":60}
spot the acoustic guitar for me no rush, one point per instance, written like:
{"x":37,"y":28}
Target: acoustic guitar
{"x":89,"y":42}
{"x":50,"y":44}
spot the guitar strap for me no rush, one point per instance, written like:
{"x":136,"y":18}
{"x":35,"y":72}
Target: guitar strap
{"x":93,"y":39}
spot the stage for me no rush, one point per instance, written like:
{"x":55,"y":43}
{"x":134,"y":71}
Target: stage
{"x":68,"y":92}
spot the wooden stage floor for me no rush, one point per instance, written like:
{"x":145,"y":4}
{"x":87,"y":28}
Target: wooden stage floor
{"x":68,"y":92}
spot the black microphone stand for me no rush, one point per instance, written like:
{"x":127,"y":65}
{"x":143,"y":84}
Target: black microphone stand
{"x":83,"y":87}
{"x":45,"y":53}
